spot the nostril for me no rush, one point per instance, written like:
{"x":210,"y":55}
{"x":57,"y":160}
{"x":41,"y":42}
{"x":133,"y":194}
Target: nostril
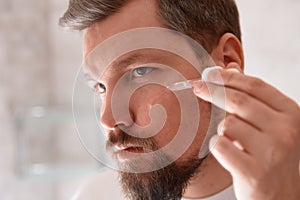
{"x":118,"y":125}
{"x":124,"y":123}
{"x":124,"y":119}
{"x":111,"y":123}
{"x":110,"y":119}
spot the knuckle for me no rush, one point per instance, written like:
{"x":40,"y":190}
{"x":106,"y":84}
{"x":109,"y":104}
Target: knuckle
{"x":276,"y":157}
{"x":289,"y":104}
{"x":291,"y":137}
{"x":221,"y":144}
{"x":254,"y":84}
{"x":239,"y":99}
{"x":286,"y":145}
{"x":258,"y":176}
{"x":229,"y":121}
{"x":229,"y":77}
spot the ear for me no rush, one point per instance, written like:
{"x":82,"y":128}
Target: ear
{"x":229,"y":53}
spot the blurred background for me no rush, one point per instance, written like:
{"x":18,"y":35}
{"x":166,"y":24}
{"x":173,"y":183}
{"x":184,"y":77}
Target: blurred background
{"x":41,"y":156}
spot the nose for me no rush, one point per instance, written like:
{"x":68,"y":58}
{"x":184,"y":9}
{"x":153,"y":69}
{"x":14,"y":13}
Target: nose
{"x":114,"y":115}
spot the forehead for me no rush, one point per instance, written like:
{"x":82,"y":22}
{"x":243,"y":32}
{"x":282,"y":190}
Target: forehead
{"x":141,"y":39}
{"x":134,"y":14}
{"x":128,"y":60}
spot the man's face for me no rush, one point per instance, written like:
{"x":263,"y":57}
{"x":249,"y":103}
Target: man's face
{"x":137,"y":14}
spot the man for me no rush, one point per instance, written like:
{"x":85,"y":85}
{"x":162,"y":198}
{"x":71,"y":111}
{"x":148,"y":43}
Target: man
{"x":255,"y":151}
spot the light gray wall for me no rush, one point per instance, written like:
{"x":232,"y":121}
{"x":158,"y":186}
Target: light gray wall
{"x":38,"y":64}
{"x":271,"y":35}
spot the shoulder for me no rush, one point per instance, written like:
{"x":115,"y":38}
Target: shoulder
{"x":104,"y":185}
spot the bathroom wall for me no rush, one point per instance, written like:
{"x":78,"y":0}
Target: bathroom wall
{"x":41,"y":157}
{"x":271,"y":35}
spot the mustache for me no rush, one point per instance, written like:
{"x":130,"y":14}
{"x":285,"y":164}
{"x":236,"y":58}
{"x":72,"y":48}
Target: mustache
{"x":120,"y":137}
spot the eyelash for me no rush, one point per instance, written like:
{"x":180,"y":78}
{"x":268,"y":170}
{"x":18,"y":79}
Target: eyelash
{"x":148,"y":70}
{"x":100,"y":88}
{"x":95,"y":86}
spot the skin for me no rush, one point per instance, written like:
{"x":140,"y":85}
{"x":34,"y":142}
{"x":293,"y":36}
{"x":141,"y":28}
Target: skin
{"x":258,"y":169}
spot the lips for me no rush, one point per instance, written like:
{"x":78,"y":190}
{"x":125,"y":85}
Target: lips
{"x":127,"y":152}
{"x":129,"y":148}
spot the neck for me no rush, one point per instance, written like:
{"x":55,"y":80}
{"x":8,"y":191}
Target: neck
{"x":210,"y":179}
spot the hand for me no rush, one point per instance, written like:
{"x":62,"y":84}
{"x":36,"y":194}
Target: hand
{"x":259,"y":142}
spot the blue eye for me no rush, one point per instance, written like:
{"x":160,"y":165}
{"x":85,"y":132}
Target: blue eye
{"x":141,"y":71}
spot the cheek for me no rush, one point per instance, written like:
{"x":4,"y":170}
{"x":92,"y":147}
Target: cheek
{"x":194,"y":148}
{"x":140,"y":105}
{"x":204,"y":122}
{"x":144,"y":98}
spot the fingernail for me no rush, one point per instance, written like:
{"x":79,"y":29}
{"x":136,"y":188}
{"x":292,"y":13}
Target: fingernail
{"x":234,"y":70}
{"x":198,"y":86}
{"x":208,"y":75}
{"x":238,"y":145}
{"x":212,"y":142}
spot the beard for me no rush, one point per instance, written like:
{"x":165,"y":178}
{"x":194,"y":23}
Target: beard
{"x":167,"y":183}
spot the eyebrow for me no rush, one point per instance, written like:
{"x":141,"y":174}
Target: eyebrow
{"x":131,"y":59}
{"x":125,"y":62}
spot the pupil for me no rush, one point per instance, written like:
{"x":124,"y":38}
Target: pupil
{"x":141,"y":71}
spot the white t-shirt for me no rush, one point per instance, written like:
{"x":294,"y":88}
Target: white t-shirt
{"x":227,"y":194}
{"x":105,"y":186}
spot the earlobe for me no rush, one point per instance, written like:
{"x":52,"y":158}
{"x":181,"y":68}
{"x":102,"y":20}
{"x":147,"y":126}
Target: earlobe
{"x":229,"y":52}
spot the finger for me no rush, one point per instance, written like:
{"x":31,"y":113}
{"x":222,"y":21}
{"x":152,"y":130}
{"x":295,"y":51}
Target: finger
{"x":236,"y":102}
{"x":229,"y":156}
{"x":238,"y":130}
{"x":250,"y":85}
